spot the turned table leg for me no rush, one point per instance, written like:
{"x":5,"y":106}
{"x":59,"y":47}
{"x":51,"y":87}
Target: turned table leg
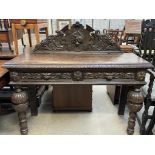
{"x":20,"y":103}
{"x":135,"y":102}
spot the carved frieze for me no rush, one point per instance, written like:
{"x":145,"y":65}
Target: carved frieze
{"x":76,"y":39}
{"x":44,"y":76}
{"x":109,"y":75}
{"x":75,"y":76}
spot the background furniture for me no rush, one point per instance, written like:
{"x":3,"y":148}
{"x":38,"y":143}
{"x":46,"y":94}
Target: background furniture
{"x":115,"y":34}
{"x":127,"y":48}
{"x":3,"y":72}
{"x":28,"y":24}
{"x":5,"y":108}
{"x":147,"y":51}
{"x":132,"y":31}
{"x":6,"y":33}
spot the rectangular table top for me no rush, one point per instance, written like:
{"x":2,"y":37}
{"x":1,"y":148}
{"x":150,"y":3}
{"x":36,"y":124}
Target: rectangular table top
{"x":78,"y":60}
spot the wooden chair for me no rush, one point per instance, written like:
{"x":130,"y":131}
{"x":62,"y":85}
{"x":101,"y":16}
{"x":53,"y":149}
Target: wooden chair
{"x":132,"y":32}
{"x":28,"y":24}
{"x":115,"y":34}
{"x":6,"y":33}
{"x":147,"y":51}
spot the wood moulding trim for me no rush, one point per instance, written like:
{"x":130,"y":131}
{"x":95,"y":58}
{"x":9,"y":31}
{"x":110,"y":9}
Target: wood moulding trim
{"x":78,"y":66}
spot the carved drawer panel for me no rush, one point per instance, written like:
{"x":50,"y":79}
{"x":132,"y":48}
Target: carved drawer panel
{"x":75,"y":76}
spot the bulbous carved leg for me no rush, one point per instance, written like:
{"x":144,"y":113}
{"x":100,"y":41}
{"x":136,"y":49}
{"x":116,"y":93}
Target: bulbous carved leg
{"x":135,"y":102}
{"x":20,"y":103}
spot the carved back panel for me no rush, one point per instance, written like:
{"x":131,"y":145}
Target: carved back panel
{"x":77,"y":38}
{"x":147,"y":43}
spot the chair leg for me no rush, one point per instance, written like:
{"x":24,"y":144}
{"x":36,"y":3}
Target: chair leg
{"x":46,"y":31}
{"x":14,"y":35}
{"x":22,"y":40}
{"x":10,"y":46}
{"x":37,"y":35}
{"x":151,"y":124}
{"x":9,"y":42}
{"x":29,"y":36}
{"x":0,"y":45}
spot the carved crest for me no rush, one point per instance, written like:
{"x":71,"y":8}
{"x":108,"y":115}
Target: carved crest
{"x":77,"y":38}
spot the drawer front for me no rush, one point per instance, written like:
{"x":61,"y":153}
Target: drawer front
{"x":76,"y":76}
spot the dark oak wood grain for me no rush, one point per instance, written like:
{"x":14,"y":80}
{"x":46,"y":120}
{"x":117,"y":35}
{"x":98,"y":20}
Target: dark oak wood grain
{"x":78,"y":60}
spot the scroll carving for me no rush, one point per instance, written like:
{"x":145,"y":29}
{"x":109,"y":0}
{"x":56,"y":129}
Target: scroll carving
{"x":77,"y":38}
{"x":75,"y":76}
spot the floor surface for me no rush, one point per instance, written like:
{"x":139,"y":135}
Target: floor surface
{"x":102,"y":120}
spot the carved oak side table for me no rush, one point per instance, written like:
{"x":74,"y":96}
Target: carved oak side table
{"x":84,"y":68}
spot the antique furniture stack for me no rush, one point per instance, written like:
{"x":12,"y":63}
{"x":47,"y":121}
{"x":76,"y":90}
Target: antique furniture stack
{"x":77,"y":56}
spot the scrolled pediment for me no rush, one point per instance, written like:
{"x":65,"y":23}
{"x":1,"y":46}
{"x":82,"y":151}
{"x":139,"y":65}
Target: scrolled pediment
{"x":77,"y":38}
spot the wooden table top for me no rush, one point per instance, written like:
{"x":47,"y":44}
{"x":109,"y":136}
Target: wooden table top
{"x":78,"y":60}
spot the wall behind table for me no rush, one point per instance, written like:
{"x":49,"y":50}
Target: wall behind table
{"x":97,"y":24}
